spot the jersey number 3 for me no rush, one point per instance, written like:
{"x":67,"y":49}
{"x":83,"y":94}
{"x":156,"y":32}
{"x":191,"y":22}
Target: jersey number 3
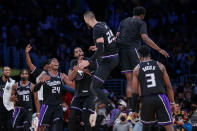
{"x":150,"y":80}
{"x":110,"y":36}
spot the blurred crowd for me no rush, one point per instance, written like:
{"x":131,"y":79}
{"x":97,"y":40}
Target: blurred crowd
{"x":54,"y":28}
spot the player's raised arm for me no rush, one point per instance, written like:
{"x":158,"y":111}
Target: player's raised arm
{"x":149,"y":42}
{"x":28,"y":59}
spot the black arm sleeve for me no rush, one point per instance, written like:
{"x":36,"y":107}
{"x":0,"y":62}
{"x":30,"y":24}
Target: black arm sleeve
{"x":135,"y":104}
{"x":37,"y":86}
{"x":98,"y":52}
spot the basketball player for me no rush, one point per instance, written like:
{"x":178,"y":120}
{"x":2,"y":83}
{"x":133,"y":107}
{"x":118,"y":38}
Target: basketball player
{"x":130,"y":33}
{"x":6,"y":106}
{"x":151,"y":76}
{"x":83,"y":99}
{"x":22,"y":96}
{"x":36,"y":72}
{"x":106,"y":50}
{"x":51,"y":110}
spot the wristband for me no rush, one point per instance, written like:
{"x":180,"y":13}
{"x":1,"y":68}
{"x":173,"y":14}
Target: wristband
{"x":37,"y":113}
{"x":172,"y":103}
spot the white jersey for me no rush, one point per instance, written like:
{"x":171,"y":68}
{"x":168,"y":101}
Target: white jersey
{"x":40,"y":92}
{"x":7,"y":94}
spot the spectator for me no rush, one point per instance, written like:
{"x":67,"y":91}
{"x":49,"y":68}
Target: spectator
{"x":123,"y":125}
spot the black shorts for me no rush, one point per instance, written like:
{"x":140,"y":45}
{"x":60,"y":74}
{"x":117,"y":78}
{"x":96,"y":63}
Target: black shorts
{"x":128,"y":59}
{"x":106,"y":65}
{"x":156,"y":108}
{"x":83,"y":103}
{"x":21,"y":116}
{"x":49,"y":114}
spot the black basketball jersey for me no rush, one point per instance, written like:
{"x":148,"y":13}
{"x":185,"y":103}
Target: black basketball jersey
{"x":52,"y":90}
{"x":101,"y":29}
{"x":151,"y":78}
{"x":82,"y":80}
{"x":24,"y":95}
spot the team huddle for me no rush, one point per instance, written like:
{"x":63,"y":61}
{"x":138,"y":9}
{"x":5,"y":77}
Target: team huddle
{"x":43,"y":88}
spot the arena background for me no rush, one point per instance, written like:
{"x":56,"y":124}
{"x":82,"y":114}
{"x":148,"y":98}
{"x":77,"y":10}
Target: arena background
{"x":55,"y":27}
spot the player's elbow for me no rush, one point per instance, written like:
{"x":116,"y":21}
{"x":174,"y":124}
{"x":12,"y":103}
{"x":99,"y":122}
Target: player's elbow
{"x":144,"y":37}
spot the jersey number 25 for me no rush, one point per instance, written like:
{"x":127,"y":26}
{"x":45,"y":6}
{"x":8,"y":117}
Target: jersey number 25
{"x":110,"y":36}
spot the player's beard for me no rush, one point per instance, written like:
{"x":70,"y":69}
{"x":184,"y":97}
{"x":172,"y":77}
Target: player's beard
{"x":6,"y":76}
{"x":24,"y":79}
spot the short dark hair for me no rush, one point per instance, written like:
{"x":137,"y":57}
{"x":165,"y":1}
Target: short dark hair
{"x":139,"y":10}
{"x":24,"y":70}
{"x":144,"y":51}
{"x":6,"y":67}
{"x":75,"y":49}
{"x":89,"y":14}
{"x":46,"y":62}
{"x":50,"y":60}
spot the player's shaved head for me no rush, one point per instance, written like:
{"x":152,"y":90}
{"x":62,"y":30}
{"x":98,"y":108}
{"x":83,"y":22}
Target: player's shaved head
{"x":144,"y":51}
{"x":89,"y":14}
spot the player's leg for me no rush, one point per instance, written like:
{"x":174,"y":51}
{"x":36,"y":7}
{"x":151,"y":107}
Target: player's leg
{"x":44,"y":117}
{"x":27,"y":119}
{"x":169,"y":127}
{"x":85,"y":119}
{"x":76,"y":107}
{"x":88,"y":109}
{"x":58,"y":117}
{"x":164,"y":112}
{"x":128,"y":60}
{"x":148,"y":117}
{"x":17,"y":119}
{"x":100,"y":76}
{"x":129,"y":77}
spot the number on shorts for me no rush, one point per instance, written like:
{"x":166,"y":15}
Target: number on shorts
{"x":55,"y":89}
{"x":150,"y":80}
{"x":110,"y":36}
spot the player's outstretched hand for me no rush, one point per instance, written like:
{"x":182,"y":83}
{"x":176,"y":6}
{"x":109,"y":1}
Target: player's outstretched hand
{"x":93,"y":48}
{"x":84,"y":64}
{"x":163,"y":52}
{"x":28,"y":48}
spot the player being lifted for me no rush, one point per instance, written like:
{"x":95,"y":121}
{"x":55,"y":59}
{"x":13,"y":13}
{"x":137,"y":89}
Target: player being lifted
{"x":22,"y":95}
{"x":130,"y":33}
{"x":51,"y":111}
{"x":106,"y":50}
{"x":153,"y":80}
